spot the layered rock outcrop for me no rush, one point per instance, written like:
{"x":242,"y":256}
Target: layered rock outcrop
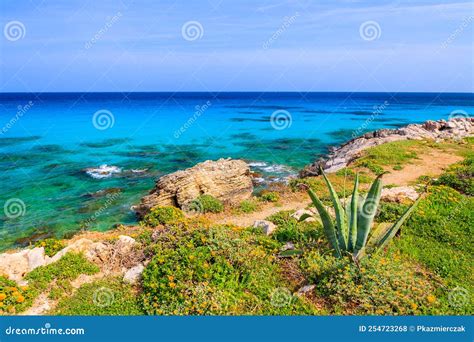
{"x":340,"y":157}
{"x":226,"y":179}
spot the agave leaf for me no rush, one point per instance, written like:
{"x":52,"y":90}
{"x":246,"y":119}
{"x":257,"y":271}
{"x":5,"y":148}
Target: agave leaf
{"x":382,"y":242}
{"x":341,"y":219}
{"x":365,"y":216}
{"x":328,"y":225}
{"x":304,"y":217}
{"x":353,"y":215}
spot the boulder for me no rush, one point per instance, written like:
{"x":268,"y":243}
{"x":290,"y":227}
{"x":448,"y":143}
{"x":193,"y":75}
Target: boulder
{"x":16,"y":265}
{"x":399,"y":194}
{"x":342,"y":156}
{"x":133,"y":274}
{"x":90,"y":249}
{"x":266,"y":226}
{"x":226,"y":179}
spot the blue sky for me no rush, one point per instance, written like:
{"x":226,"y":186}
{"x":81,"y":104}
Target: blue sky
{"x":294,"y":45}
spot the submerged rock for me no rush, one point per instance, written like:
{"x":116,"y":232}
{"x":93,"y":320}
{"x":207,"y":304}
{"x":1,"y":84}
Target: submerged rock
{"x":226,"y":179}
{"x":103,"y":171}
{"x":340,"y":157}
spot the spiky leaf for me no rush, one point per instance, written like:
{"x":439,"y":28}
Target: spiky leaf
{"x":341,"y":219}
{"x":366,"y":215}
{"x":328,"y":225}
{"x":396,"y":226}
{"x":353,"y":215}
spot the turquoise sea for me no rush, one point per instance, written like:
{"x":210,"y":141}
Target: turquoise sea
{"x":51,"y":143}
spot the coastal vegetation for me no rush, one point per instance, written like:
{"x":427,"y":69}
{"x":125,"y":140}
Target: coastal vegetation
{"x":197,"y":265}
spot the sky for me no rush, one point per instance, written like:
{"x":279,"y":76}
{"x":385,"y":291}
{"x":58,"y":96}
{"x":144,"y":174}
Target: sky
{"x":229,"y":45}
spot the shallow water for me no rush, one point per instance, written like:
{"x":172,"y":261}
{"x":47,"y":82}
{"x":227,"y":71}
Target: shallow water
{"x":49,"y":141}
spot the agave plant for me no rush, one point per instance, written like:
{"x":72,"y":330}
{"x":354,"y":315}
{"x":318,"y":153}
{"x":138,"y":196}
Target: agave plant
{"x":349,"y":234}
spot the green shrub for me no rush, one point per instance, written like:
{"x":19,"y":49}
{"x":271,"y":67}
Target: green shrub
{"x":397,"y":167}
{"x":269,"y":196}
{"x":208,"y":204}
{"x":380,"y":286}
{"x":217,"y":270}
{"x":14,"y":298}
{"x":390,"y":211}
{"x":109,"y":296}
{"x":282,"y":217}
{"x":51,"y":246}
{"x":163,"y":215}
{"x":248,"y":206}
{"x":460,"y":176}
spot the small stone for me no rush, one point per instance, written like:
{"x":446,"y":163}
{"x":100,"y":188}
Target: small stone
{"x":266,"y":226}
{"x":297,"y":215}
{"x":305,"y":289}
{"x":134,"y":274}
{"x":289,"y":246}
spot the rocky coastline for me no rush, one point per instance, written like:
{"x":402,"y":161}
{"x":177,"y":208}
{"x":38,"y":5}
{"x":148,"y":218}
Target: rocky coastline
{"x":342,"y":156}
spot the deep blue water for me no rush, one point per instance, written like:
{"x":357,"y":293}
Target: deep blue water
{"x":48,"y":140}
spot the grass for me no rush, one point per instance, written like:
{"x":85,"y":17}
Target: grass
{"x":58,"y":275}
{"x":390,"y":155}
{"x":248,"y":206}
{"x":439,"y":236}
{"x":108,"y":296}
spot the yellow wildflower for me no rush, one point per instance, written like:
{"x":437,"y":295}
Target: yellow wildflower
{"x":2,"y":296}
{"x":431,"y":299}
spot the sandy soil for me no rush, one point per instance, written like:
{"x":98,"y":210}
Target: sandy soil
{"x":432,"y":163}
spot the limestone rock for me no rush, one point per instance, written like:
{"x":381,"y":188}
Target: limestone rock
{"x":125,"y":243}
{"x":399,"y":194}
{"x":133,"y":274}
{"x":340,"y":157}
{"x":266,"y":226}
{"x":226,"y":179}
{"x":90,"y":249}
{"x":16,"y":265}
{"x":297,"y":215}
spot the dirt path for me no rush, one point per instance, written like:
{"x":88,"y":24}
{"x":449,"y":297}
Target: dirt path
{"x":432,"y":163}
{"x":291,"y":202}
